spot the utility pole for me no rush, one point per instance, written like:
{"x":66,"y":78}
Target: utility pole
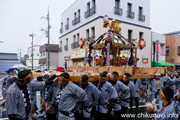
{"x":48,"y":36}
{"x":20,"y":57}
{"x":48,"y":40}
{"x":32,"y":35}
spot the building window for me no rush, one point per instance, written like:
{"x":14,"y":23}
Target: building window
{"x":130,"y":14}
{"x":43,"y":54}
{"x":141,"y":37}
{"x":76,"y":19}
{"x":178,"y":50}
{"x":117,"y":2}
{"x":141,"y":17}
{"x":117,"y":9}
{"x":66,"y":46}
{"x":78,"y":37}
{"x":167,"y":50}
{"x":61,"y":30}
{"x":37,"y":54}
{"x":87,"y":34}
{"x":60,"y":43}
{"x":79,"y":13}
{"x":60,"y":49}
{"x":74,"y":38}
{"x":67,"y":25}
{"x":90,"y":11}
{"x":93,"y":3}
{"x":92,"y":34}
{"x":129,"y":35}
{"x":75,"y":15}
{"x":88,"y":6}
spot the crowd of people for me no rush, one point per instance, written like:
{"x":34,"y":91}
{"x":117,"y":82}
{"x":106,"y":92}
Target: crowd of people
{"x":104,"y":99}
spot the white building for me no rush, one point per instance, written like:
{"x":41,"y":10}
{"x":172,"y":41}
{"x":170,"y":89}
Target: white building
{"x":36,"y":57}
{"x":84,"y":19}
{"x":53,"y":52}
{"x":161,"y":41}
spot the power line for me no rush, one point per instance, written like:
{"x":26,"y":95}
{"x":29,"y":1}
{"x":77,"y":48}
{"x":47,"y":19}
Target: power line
{"x":52,"y":41}
{"x":40,"y":38}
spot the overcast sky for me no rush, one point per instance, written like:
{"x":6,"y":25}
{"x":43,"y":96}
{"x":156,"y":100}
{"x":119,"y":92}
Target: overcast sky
{"x":18,"y":18}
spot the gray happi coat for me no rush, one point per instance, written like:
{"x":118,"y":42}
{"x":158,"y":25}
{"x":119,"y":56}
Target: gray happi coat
{"x":92,"y":95}
{"x":123,"y":93}
{"x":155,"y":89}
{"x":15,"y":103}
{"x":169,"y":113}
{"x":107,"y":91}
{"x":71,"y":94}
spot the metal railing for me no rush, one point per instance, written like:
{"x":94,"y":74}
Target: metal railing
{"x":61,"y":30}
{"x":67,"y":27}
{"x":66,"y":47}
{"x":90,"y":12}
{"x":118,"y":11}
{"x":76,"y":21}
{"x":141,"y":17}
{"x":130,"y":14}
{"x":60,"y":49}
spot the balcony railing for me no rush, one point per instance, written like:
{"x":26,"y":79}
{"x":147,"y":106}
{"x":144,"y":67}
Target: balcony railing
{"x":60,"y":49}
{"x":61,"y":30}
{"x":75,"y":45}
{"x":141,"y":17}
{"x":93,"y":10}
{"x":67,"y":27}
{"x":87,"y":14}
{"x":90,"y":12}
{"x":76,"y":21}
{"x":130,"y":14}
{"x":66,"y":47}
{"x":118,"y":11}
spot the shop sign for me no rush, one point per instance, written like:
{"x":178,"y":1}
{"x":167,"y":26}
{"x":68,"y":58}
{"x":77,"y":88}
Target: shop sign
{"x":66,"y":58}
{"x":145,"y":60}
{"x":79,"y":53}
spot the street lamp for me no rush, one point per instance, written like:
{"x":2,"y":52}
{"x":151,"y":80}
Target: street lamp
{"x":157,"y":51}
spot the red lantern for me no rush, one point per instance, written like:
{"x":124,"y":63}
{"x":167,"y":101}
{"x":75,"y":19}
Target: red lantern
{"x":111,"y":57}
{"x":142,"y":44}
{"x":81,"y":43}
{"x":106,"y":20}
{"x":109,"y":36}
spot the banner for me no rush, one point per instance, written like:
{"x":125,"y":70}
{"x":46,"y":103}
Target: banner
{"x":79,"y":53}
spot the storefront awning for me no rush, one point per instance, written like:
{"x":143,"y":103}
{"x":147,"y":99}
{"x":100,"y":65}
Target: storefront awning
{"x":163,"y":63}
{"x":74,"y":59}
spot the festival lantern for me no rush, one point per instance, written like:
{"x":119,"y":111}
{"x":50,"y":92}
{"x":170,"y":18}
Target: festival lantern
{"x":81,"y":43}
{"x":106,"y":20}
{"x":109,"y":36}
{"x":111,"y":57}
{"x":142,"y":44}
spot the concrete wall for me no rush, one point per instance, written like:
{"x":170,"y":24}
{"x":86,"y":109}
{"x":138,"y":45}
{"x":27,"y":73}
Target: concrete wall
{"x":162,"y":45}
{"x":105,"y":7}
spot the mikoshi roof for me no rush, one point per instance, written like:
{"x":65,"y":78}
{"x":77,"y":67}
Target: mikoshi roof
{"x":117,"y":41}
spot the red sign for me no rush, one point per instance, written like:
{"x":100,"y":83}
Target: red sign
{"x":142,"y":44}
{"x":81,"y":43}
{"x":145,"y":60}
{"x":66,"y":58}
